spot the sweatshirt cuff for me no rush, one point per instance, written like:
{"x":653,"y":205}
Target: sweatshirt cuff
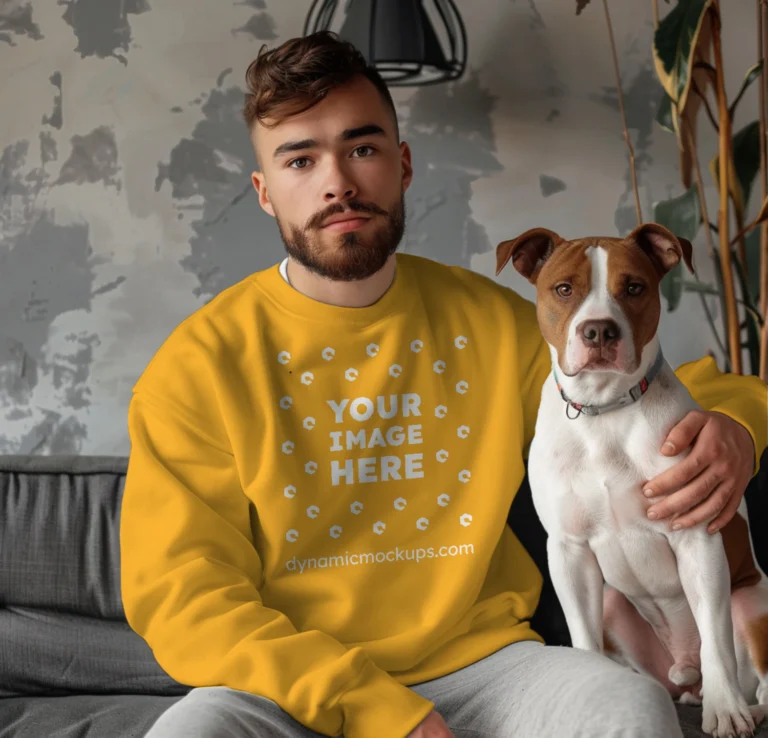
{"x":378,"y":705}
{"x":742,"y":416}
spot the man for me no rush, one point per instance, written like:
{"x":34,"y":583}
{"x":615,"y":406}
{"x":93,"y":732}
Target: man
{"x":323,"y":458}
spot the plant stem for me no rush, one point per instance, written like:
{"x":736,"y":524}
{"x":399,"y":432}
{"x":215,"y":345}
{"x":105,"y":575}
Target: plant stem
{"x":709,"y":69}
{"x":708,"y":234}
{"x":695,"y":87}
{"x":655,"y":4}
{"x":740,"y":237}
{"x":742,"y":233}
{"x":623,"y":114}
{"x":724,"y":148}
{"x":762,"y":29}
{"x":750,"y":307}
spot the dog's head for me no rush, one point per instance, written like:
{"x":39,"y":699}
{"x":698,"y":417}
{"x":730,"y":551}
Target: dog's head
{"x":597,"y":299}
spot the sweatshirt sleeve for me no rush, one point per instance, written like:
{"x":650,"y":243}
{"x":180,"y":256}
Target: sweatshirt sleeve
{"x":190,"y":575}
{"x":742,"y":398}
{"x":534,"y":363}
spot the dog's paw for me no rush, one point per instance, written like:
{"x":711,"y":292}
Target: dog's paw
{"x":728,"y":717}
{"x":684,"y":675}
{"x":689,"y":698}
{"x":759,"y":713}
{"x":762,"y":693}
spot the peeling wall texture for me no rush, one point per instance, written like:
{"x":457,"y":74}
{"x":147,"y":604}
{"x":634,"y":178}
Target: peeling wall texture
{"x":125,"y":195}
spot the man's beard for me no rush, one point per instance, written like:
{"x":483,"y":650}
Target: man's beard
{"x":349,"y":256}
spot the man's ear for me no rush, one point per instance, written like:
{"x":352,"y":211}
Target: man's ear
{"x":260,"y":185}
{"x":664,"y":248}
{"x":528,"y":252}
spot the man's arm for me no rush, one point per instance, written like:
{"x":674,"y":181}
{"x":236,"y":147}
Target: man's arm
{"x":189,"y":578}
{"x":534,"y":363}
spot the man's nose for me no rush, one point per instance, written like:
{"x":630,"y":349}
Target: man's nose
{"x":599,"y":332}
{"x":339,"y":185}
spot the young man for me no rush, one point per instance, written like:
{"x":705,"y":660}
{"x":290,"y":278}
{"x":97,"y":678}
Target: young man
{"x":323,"y":458}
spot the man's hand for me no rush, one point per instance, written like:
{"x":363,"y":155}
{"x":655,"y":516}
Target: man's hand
{"x":715,"y":474}
{"x":433,"y":726}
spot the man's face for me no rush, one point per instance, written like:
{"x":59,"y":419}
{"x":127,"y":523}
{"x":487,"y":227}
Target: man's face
{"x":340,"y":159}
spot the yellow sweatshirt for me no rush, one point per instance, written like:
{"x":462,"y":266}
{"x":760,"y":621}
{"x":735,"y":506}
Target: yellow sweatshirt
{"x":316,"y":499}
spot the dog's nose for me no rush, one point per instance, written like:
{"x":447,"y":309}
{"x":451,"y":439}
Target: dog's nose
{"x":600,"y":332}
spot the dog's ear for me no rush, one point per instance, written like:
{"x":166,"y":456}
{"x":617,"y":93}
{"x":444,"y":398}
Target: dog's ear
{"x":528,"y":252}
{"x":664,"y":248}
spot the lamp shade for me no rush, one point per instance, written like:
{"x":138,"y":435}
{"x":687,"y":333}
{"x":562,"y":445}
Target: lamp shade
{"x":410,"y":42}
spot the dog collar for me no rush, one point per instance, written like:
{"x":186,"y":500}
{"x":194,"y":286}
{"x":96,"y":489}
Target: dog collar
{"x":634,"y":393}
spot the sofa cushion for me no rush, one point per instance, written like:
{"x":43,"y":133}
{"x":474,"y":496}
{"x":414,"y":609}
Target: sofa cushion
{"x":60,"y":533}
{"x":62,"y":623}
{"x":44,"y":652}
{"x":690,"y":722}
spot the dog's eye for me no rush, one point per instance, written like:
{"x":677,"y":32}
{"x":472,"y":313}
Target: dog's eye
{"x":635,"y":289}
{"x":564,"y":290}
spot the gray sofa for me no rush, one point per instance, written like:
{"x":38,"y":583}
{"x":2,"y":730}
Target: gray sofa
{"x":70,"y":666}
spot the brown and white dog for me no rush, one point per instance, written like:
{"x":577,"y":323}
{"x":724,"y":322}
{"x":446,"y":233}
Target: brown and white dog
{"x":652,"y":598}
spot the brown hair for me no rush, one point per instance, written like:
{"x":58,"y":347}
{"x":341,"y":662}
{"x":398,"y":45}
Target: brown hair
{"x":298,"y":74}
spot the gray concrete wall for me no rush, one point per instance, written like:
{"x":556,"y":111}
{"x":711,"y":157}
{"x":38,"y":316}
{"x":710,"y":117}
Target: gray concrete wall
{"x":126,"y":204}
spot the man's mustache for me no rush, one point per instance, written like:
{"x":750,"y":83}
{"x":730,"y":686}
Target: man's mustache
{"x":316,"y":221}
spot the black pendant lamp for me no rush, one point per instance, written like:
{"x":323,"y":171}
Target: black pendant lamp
{"x":410,"y":42}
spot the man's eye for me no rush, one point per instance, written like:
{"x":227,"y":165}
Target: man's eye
{"x":301,"y":158}
{"x":364,"y":147}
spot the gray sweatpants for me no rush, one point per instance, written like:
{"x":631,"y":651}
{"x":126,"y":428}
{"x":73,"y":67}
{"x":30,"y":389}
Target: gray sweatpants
{"x":525,"y":690}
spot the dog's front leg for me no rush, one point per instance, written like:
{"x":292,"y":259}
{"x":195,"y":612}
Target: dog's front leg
{"x":578,"y":583}
{"x":705,"y":578}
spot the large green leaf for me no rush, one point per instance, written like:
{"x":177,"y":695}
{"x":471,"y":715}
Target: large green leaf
{"x":746,"y":157}
{"x":682,"y":48}
{"x":674,"y":46}
{"x":746,"y":163}
{"x":682,"y":216}
{"x":664,"y":113}
{"x":703,"y":287}
{"x":672,"y":286}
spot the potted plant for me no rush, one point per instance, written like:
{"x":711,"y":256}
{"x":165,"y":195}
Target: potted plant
{"x":688,"y":59}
